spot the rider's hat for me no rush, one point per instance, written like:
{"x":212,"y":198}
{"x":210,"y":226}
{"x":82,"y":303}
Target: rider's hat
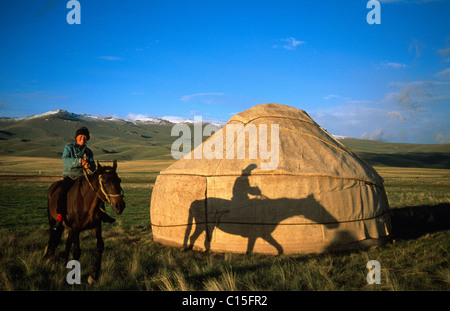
{"x":83,"y":131}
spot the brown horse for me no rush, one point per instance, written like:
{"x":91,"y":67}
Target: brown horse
{"x":85,"y":200}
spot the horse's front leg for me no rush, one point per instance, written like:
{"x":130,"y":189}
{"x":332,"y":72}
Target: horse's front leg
{"x":100,"y":246}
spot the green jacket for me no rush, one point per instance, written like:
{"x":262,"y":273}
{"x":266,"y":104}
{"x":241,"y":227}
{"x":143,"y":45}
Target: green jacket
{"x":71,"y":159}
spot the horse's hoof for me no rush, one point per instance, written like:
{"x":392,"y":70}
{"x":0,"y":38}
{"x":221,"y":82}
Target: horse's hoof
{"x":91,"y":280}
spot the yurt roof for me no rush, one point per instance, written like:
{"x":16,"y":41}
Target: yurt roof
{"x":304,"y":149}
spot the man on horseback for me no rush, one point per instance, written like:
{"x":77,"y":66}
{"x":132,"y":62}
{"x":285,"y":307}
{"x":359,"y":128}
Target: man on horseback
{"x":76,"y":158}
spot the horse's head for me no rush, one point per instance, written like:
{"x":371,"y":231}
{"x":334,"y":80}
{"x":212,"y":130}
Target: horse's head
{"x":110,"y":186}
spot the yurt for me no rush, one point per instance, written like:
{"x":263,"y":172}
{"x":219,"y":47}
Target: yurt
{"x":270,"y":181}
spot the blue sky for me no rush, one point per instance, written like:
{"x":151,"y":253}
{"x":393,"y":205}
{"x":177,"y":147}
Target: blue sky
{"x":388,"y":81}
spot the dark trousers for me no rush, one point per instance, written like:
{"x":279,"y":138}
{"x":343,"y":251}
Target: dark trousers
{"x":66,"y":184}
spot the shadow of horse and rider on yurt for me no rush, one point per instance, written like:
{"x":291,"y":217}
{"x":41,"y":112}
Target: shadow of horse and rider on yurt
{"x":216,"y":213}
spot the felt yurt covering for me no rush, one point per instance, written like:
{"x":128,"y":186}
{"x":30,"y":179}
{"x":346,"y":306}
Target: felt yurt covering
{"x":320,"y":197}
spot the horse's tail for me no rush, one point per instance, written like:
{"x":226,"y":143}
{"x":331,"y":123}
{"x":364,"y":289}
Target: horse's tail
{"x":53,"y":242}
{"x":52,"y":199}
{"x":55,"y":235}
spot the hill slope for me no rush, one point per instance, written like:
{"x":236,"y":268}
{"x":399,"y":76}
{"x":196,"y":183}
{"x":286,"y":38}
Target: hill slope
{"x":379,"y":153}
{"x":45,"y":136}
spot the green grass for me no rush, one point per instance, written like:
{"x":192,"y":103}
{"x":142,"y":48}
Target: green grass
{"x":413,"y":186}
{"x":133,"y":261}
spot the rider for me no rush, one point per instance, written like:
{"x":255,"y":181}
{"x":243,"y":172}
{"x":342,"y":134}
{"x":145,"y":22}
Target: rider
{"x":76,"y":157}
{"x":242,"y":188}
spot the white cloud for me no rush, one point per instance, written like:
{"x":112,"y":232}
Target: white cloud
{"x":418,"y":94}
{"x":290,"y":43}
{"x":347,"y":119}
{"x":378,"y":134}
{"x":331,"y":96}
{"x":445,"y":74}
{"x":407,"y":97}
{"x":190,"y":97}
{"x":395,"y":65}
{"x":444,"y":52}
{"x":414,"y":112}
{"x":110,"y":58}
{"x":349,"y":100}
{"x":441,"y":137}
{"x":360,"y":102}
{"x":396,"y":115}
{"x":417,"y":47}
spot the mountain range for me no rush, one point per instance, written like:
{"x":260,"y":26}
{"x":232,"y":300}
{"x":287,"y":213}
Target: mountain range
{"x":145,"y":138}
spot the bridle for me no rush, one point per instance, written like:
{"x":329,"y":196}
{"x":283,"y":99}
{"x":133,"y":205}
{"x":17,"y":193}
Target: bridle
{"x":102,"y":188}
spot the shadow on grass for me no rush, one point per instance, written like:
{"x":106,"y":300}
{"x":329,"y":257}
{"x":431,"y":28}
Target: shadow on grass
{"x":412,"y":222}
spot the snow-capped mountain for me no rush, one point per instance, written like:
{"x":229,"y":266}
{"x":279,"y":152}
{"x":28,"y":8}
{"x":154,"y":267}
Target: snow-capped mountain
{"x":133,"y":118}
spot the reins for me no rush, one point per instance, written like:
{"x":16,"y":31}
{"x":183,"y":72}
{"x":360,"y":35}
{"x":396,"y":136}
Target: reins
{"x":100,"y":181}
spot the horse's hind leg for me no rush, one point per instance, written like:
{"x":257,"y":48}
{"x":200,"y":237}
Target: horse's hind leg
{"x":53,"y":241}
{"x":100,"y":246}
{"x":49,"y":249}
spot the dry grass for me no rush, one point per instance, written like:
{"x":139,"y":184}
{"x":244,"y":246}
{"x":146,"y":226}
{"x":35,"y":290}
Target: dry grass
{"x":10,"y":165}
{"x":132,"y":261}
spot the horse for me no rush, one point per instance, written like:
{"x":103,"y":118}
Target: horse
{"x":85,"y":200}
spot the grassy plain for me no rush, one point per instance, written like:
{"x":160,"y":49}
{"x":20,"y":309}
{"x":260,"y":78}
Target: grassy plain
{"x":418,"y":259}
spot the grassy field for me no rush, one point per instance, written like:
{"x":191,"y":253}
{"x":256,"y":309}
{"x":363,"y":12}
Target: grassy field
{"x":418,"y":259}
